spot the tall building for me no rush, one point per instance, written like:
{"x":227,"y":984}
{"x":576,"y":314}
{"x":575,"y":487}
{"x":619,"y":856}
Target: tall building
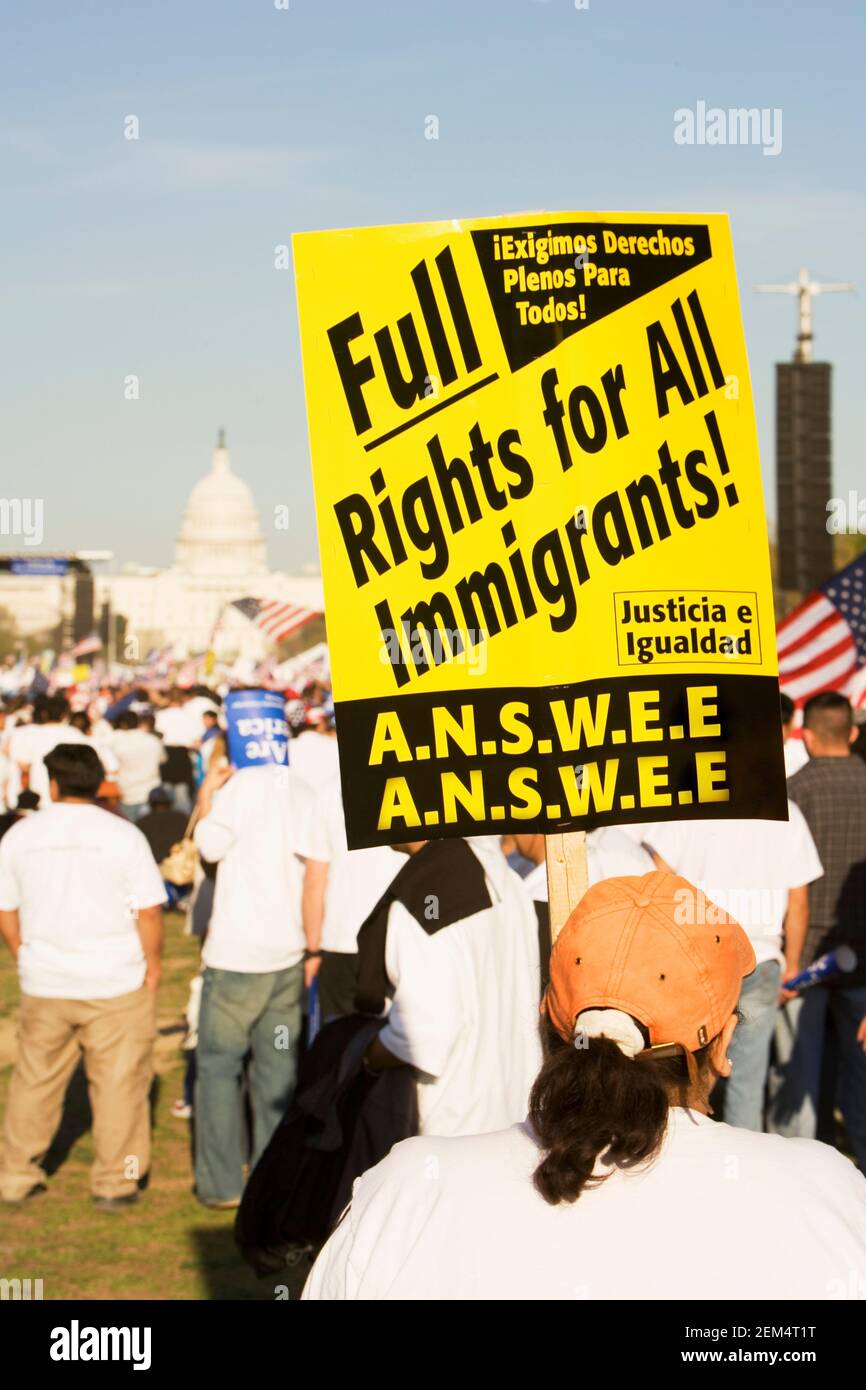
{"x":804,"y":481}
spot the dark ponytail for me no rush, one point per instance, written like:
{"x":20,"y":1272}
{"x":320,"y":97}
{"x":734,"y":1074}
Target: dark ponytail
{"x":593,"y":1101}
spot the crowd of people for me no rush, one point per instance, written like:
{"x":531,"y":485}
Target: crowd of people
{"x":680,"y":1061}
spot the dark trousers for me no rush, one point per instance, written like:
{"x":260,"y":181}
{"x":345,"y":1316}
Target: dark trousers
{"x":800,"y":1036}
{"x":338,"y":983}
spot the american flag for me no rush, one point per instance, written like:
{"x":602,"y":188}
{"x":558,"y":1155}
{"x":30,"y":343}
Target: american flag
{"x":158,"y":661}
{"x":822,"y":643}
{"x":275,"y":617}
{"x":87,"y":646}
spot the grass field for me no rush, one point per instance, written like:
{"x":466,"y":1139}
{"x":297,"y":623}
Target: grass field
{"x":168,"y":1246}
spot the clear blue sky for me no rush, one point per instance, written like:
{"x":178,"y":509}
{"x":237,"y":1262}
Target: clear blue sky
{"x":156,"y":256}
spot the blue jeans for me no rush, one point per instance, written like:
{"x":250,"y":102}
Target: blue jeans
{"x":749,"y":1050}
{"x":181,"y":798}
{"x":242,"y":1014}
{"x":796,"y":1085}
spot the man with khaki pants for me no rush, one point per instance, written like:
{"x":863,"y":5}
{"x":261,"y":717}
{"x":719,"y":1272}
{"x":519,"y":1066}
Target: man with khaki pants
{"x":81,"y":909}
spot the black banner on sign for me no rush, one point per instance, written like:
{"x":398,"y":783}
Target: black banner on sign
{"x":568,"y":757}
{"x":547,"y":284}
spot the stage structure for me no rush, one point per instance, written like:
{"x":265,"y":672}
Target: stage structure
{"x":53,"y":593}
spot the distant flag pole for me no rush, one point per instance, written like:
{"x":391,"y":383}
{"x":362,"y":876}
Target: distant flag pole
{"x":210,"y":658}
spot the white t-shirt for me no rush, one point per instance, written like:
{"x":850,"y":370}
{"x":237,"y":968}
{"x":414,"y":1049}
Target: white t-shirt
{"x":78,"y":875}
{"x":199,"y":705}
{"x":139,"y":756}
{"x":721,"y":1213}
{"x":259,"y":824}
{"x":30,"y":744}
{"x":745,"y":867}
{"x":465,"y":1006}
{"x":102,"y":743}
{"x":609,"y":854}
{"x":180,"y":725}
{"x":357,"y":878}
{"x":314,"y":757}
{"x":796,"y":756}
{"x":101,"y":731}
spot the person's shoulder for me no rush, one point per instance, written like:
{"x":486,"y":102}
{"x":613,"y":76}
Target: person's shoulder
{"x":803,"y":776}
{"x":273,"y":781}
{"x":329,"y":791}
{"x":426,"y":1159}
{"x":293,"y":779}
{"x":23,"y":832}
{"x":243,"y":780}
{"x":819,"y":772}
{"x":68,"y":733}
{"x":792,"y":1162}
{"x":672,"y":834}
{"x":117,"y":828}
{"x":796,"y":827}
{"x":803,"y":782}
{"x":280,"y":774}
{"x":820,"y":1168}
{"x":296,"y":790}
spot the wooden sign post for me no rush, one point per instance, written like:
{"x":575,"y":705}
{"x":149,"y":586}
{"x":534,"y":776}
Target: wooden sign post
{"x":567,"y":876}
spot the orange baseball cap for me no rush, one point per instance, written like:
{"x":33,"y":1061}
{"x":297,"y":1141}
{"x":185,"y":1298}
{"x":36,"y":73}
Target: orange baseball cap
{"x":656,"y":948}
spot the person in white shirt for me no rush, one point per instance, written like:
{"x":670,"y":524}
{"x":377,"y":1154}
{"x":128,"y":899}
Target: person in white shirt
{"x":139,"y":757}
{"x":195,"y":708}
{"x":313,"y":755}
{"x":29,"y":744}
{"x":796,"y":754}
{"x":180,"y":726}
{"x":13,"y":717}
{"x":255,"y":826}
{"x":81,"y":909}
{"x":609,"y":854}
{"x":5,"y":732}
{"x":341,"y":887}
{"x":618,"y":1186}
{"x":759,"y":872}
{"x":454,"y":942}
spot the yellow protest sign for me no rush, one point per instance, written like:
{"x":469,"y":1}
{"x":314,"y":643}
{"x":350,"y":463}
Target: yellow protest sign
{"x":541,"y":524}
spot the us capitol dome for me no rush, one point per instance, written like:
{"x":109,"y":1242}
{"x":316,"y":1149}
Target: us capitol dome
{"x":220,"y":533}
{"x":220,"y":555}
